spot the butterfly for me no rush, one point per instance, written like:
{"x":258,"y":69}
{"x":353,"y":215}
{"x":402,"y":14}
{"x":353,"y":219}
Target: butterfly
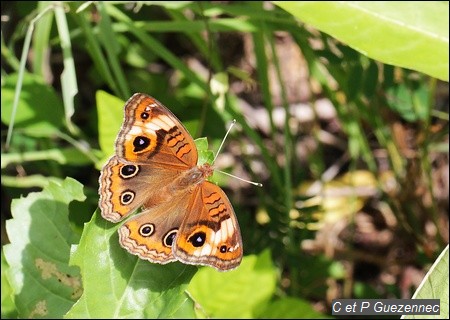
{"x":184,"y":217}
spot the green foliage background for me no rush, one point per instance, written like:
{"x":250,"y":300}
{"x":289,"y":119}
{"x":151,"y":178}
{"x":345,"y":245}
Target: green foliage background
{"x":68,"y":67}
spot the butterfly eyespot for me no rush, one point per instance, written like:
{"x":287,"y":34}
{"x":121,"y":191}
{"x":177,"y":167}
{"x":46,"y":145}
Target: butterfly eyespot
{"x":223,"y":249}
{"x":146,"y":230}
{"x":126,"y":197}
{"x":144,"y":115}
{"x":198,"y":239}
{"x":169,"y":237}
{"x":129,"y":171}
{"x":140,"y":143}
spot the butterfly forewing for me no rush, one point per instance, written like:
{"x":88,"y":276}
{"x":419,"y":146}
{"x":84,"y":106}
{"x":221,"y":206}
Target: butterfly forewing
{"x":136,"y":176}
{"x":151,"y":133}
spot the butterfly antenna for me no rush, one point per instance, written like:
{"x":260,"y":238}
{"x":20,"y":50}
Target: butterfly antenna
{"x":226,"y":173}
{"x":223,"y":140}
{"x":236,"y":177}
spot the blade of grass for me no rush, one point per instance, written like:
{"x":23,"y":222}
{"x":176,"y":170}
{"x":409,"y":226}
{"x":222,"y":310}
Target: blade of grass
{"x":190,"y":26}
{"x":241,"y":11}
{"x":263,"y":73}
{"x":8,"y":55}
{"x":63,"y":156}
{"x":288,"y":146}
{"x":23,"y":60}
{"x":195,"y":37}
{"x":31,"y":181}
{"x":94,"y":49}
{"x":157,"y":48}
{"x":269,"y":160}
{"x":41,"y":38}
{"x":69,"y":83}
{"x":223,"y":86}
{"x":112,"y":48}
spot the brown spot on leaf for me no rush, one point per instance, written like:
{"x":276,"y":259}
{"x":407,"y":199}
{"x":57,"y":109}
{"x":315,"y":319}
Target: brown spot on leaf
{"x":49,"y":269}
{"x":40,"y":310}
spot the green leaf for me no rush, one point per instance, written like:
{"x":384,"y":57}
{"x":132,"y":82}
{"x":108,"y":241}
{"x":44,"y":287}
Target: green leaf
{"x":410,"y":102}
{"x":110,"y":117}
{"x":240,"y":293}
{"x":412,"y":35}
{"x":204,"y":155}
{"x":43,"y":282}
{"x":8,"y":306}
{"x":435,"y":286}
{"x":291,"y":308}
{"x":39,"y":107}
{"x":120,"y":285}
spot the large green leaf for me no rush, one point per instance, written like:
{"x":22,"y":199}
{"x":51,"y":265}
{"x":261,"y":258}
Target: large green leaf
{"x":120,"y":285}
{"x":44,"y":284}
{"x":8,"y":306}
{"x":110,"y":116}
{"x":435,"y":286}
{"x":408,"y":34}
{"x":240,"y":293}
{"x":39,"y":111}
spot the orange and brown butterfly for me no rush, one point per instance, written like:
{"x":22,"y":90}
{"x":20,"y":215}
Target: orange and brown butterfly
{"x":184,"y":216}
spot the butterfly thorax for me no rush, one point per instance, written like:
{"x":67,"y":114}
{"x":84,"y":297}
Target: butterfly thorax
{"x":194,"y":176}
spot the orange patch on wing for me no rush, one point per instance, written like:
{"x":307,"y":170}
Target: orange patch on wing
{"x":213,"y":197}
{"x":218,"y":210}
{"x":185,"y":149}
{"x":175,"y":138}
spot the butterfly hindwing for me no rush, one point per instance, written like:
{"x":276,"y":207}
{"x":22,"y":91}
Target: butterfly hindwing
{"x":151,"y":233}
{"x":125,"y":187}
{"x":209,"y":234}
